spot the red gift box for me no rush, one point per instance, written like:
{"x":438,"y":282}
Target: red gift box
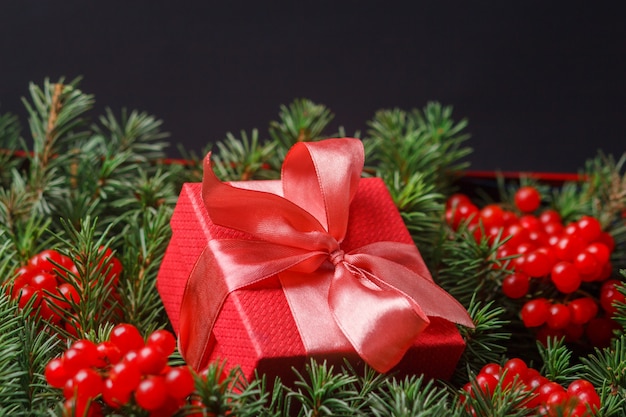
{"x":255,"y":328}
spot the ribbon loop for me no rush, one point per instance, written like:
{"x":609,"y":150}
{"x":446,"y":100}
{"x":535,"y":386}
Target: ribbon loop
{"x":376,"y":298}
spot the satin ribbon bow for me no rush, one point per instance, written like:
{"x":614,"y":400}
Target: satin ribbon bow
{"x":378,"y":297}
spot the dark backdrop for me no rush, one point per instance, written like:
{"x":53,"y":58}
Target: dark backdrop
{"x":543,"y":84}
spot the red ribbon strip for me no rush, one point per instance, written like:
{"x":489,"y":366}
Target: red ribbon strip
{"x":378,"y":297}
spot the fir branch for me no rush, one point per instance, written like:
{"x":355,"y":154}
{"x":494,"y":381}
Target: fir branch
{"x":502,"y":402}
{"x":570,"y":202}
{"x":429,"y":142}
{"x":412,"y":396}
{"x":55,"y":119}
{"x":87,"y":247}
{"x":301,"y":121}
{"x":323,"y":392}
{"x":606,"y":186}
{"x":26,"y":348}
{"x":9,"y":139}
{"x":557,"y":362}
{"x":144,"y":246}
{"x":420,"y":205}
{"x":486,"y":342}
{"x":137,"y":135}
{"x":245,"y":158}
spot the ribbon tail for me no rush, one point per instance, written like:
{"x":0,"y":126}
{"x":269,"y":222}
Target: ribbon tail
{"x":199,"y":308}
{"x":415,"y":282}
{"x":381,"y":324}
{"x":224,"y":266}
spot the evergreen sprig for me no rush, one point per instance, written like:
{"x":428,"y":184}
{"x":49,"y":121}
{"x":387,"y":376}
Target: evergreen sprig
{"x":93,"y":190}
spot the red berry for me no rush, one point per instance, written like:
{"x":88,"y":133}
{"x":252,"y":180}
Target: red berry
{"x":163,"y":340}
{"x":126,"y":337}
{"x":22,"y":278}
{"x":26,"y":294}
{"x":527,"y":199}
{"x":568,"y":247}
{"x":516,"y":234}
{"x":600,"y":251}
{"x":151,"y":393}
{"x":457,"y":199}
{"x":535,"y":312}
{"x":559,"y":316}
{"x":45,"y":260}
{"x":491,"y":369}
{"x":491,"y":215}
{"x":115,"y":395}
{"x":565,"y":277}
{"x":87,"y":383}
{"x":586,"y":263}
{"x":547,"y":389}
{"x":589,"y":228}
{"x":69,"y":293}
{"x":582,"y":310}
{"x":487,"y":383}
{"x":125,"y":375}
{"x":550,"y":216}
{"x":600,"y":331}
{"x":180,"y":382}
{"x":536,"y":264}
{"x":108,"y":354}
{"x":464,"y":212}
{"x":609,"y":295}
{"x":516,"y":285}
{"x":150,"y":360}
{"x":516,"y":367}
{"x":579,"y":385}
{"x":55,"y":373}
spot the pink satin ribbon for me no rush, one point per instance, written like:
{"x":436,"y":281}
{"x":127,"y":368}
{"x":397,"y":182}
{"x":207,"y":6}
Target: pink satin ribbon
{"x":377,"y":298}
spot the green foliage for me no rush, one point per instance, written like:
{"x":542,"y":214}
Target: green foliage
{"x":486,"y":342}
{"x":557,"y":362}
{"x":98,"y":189}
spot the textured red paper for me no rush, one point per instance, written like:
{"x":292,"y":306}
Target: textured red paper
{"x":255,"y":328}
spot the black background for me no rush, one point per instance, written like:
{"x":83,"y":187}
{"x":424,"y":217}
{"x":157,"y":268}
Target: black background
{"x":543,"y":84}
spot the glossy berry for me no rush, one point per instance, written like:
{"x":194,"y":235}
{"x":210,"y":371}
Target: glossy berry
{"x":516,"y":285}
{"x":535,"y":312}
{"x":55,"y":373}
{"x":151,"y":393}
{"x":527,"y":199}
{"x":180,"y":382}
{"x":126,"y":337}
{"x":582,"y":310}
{"x":609,"y":295}
{"x":558,"y":317}
{"x":565,"y":277}
{"x":163,"y":341}
{"x":589,"y":228}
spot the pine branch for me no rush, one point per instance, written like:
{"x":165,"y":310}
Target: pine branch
{"x":486,"y":343}
{"x":323,"y":392}
{"x":412,"y":396}
{"x":557,"y":362}
{"x":144,"y":246}
{"x":55,"y":120}
{"x":9,"y":139}
{"x":301,"y":121}
{"x":246,"y":158}
{"x":428,"y":142}
{"x":26,"y":348}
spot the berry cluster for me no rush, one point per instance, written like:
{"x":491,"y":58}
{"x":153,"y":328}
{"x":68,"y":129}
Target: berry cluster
{"x":119,"y":371}
{"x":46,"y":283}
{"x":546,"y":253}
{"x":548,"y":397}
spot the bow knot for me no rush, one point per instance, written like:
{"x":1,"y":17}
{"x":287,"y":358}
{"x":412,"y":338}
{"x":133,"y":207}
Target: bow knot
{"x":336,"y":257}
